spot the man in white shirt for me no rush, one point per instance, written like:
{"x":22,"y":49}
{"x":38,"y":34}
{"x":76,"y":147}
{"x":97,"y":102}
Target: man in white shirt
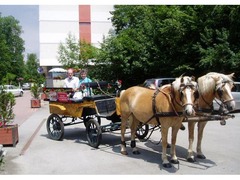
{"x":71,"y":81}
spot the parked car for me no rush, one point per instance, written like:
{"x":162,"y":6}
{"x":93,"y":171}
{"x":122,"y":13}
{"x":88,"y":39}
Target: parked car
{"x":158,"y":82}
{"x":16,"y":91}
{"x":26,"y":86}
{"x":236,"y":94}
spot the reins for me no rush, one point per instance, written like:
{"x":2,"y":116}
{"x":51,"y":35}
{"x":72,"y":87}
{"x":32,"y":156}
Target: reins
{"x":99,"y":87}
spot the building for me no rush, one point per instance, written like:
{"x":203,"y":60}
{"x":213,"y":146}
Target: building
{"x":88,"y":22}
{"x":85,"y":22}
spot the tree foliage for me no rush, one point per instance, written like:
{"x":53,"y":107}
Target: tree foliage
{"x":31,"y":68}
{"x":11,"y":48}
{"x":75,"y":53}
{"x":153,"y":41}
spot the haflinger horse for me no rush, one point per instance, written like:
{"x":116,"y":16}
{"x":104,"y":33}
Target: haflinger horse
{"x":167,"y":107}
{"x":210,"y":86}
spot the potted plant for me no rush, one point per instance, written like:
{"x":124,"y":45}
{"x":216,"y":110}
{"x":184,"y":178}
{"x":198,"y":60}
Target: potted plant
{"x":35,"y":92}
{"x":8,"y":132}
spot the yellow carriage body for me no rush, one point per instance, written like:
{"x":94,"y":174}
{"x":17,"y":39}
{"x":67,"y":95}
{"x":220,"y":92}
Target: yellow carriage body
{"x":74,"y":109}
{"x":117,"y":102}
{"x":104,"y":107}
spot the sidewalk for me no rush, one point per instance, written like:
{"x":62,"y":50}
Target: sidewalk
{"x":27,"y":134}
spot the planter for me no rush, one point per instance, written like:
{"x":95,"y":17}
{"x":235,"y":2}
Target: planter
{"x":35,"y":103}
{"x":9,"y":135}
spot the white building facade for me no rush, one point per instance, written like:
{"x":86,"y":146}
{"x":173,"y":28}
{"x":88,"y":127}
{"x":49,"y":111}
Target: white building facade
{"x":88,"y":22}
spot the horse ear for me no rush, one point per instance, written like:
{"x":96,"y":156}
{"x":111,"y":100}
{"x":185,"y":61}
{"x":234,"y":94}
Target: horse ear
{"x":182,"y":80}
{"x":231,"y":75}
{"x":181,"y":75}
{"x":193,"y":78}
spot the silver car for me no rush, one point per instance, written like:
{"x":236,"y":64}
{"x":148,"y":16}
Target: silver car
{"x":236,"y":94}
{"x":26,"y":86}
{"x":16,"y":91}
{"x":158,"y":82}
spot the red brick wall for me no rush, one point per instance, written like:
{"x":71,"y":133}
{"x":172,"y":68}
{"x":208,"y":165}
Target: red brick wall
{"x":85,"y":23}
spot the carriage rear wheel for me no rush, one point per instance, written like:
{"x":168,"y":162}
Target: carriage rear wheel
{"x":94,"y":133}
{"x":55,"y":127}
{"x":142,"y":131}
{"x":86,"y":119}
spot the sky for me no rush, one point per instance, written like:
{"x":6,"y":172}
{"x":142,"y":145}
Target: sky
{"x":27,"y":15}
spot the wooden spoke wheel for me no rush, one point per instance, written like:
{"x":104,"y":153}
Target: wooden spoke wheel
{"x":55,"y":127}
{"x":142,"y":131}
{"x":94,"y":133}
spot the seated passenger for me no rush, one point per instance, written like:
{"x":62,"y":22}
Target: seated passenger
{"x":71,"y":81}
{"x":87,"y":91}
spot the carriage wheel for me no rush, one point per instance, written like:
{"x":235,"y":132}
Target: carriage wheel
{"x":94,"y":133}
{"x":99,"y":120}
{"x":55,"y":127}
{"x":142,"y":131}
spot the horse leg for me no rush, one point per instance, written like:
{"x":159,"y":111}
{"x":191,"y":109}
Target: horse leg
{"x":191,"y":126}
{"x":123,"y":130}
{"x":201,"y":126}
{"x":174,"y":158}
{"x":165,"y":161}
{"x":133,"y":127}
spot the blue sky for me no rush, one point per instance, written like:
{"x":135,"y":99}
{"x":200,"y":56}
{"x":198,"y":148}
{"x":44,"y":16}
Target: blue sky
{"x":27,"y":15}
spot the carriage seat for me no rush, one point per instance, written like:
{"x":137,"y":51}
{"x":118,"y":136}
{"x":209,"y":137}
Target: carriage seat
{"x":90,"y":98}
{"x":96,"y":97}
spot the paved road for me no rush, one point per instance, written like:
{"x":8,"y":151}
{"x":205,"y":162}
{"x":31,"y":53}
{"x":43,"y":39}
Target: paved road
{"x":37,"y":154}
{"x":22,"y":109}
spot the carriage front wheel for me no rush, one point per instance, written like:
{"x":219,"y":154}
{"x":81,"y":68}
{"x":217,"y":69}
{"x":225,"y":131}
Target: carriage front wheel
{"x":94,"y":133}
{"x":55,"y":127}
{"x":142,"y":130}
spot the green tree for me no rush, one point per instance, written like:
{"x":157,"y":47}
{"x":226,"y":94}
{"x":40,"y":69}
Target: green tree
{"x":32,"y":65}
{"x":69,"y":52}
{"x":152,"y":41}
{"x":11,"y":47}
{"x":74,"y":53}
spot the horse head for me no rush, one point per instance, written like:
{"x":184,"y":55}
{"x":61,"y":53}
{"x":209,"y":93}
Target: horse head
{"x":219,"y":86}
{"x":224,"y":85}
{"x":185,"y":93}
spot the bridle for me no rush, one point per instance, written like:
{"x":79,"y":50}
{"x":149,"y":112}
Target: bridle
{"x":184,"y":86}
{"x":219,"y":91}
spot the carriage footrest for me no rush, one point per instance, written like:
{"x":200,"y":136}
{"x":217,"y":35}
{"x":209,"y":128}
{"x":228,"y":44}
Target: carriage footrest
{"x":106,"y":115}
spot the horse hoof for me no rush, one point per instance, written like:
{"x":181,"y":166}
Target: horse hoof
{"x":168,"y":146}
{"x":167,"y":165}
{"x":124,"y":153}
{"x":201,"y":156}
{"x":174,"y":161}
{"x":191,"y":160}
{"x":136,"y":152}
{"x":223,"y":122}
{"x":182,"y":127}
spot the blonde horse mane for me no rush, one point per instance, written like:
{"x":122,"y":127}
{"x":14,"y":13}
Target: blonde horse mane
{"x":208,"y":82}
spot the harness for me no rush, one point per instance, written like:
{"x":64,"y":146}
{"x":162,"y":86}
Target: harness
{"x":156,"y":114}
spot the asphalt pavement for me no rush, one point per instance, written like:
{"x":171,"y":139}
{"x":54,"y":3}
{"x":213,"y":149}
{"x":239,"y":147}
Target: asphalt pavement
{"x":37,"y":154}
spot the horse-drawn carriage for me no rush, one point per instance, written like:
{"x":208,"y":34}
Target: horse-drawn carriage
{"x":166,"y":107}
{"x":89,"y":110}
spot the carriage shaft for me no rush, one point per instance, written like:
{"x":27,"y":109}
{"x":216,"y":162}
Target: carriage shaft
{"x":208,"y":118}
